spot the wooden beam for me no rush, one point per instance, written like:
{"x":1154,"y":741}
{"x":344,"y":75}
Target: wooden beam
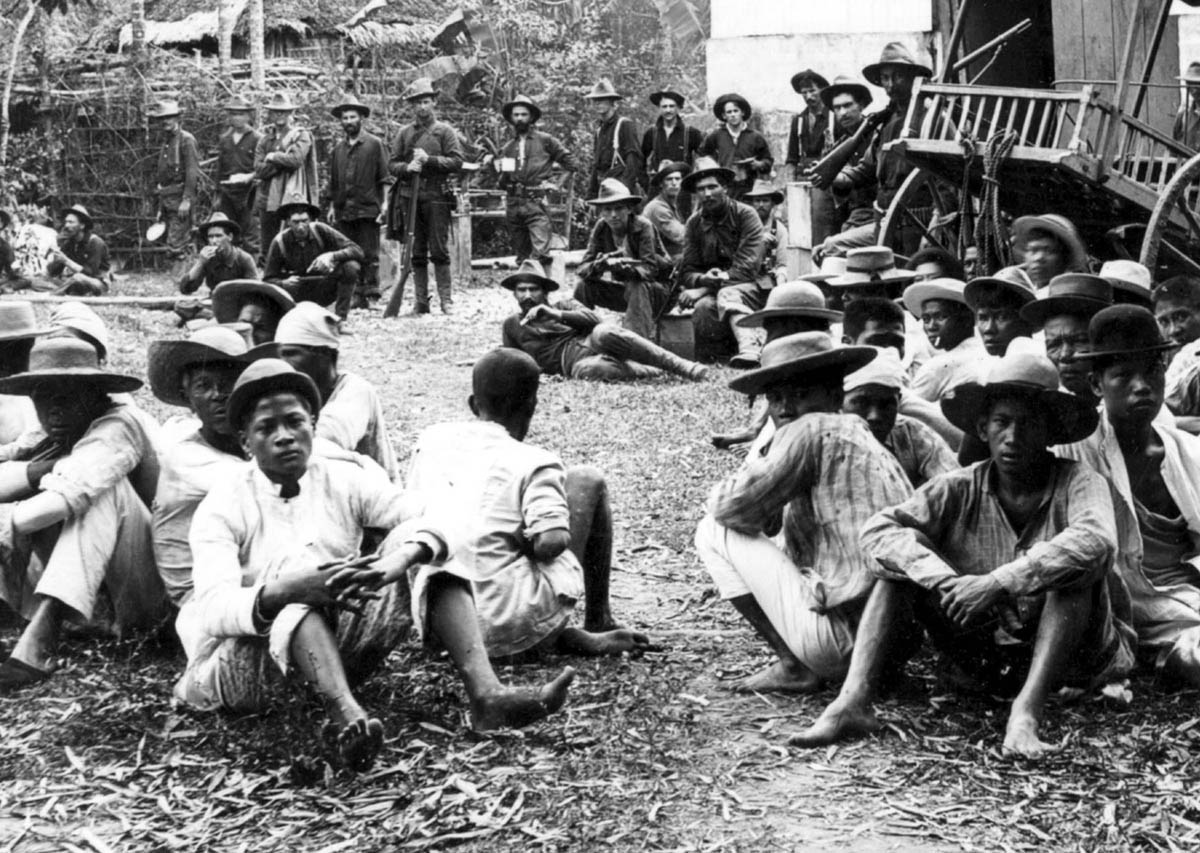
{"x":160,"y":303}
{"x":1105,"y":153}
{"x":1160,"y":27}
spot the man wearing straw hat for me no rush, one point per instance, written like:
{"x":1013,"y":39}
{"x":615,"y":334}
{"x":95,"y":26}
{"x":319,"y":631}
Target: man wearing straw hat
{"x":569,"y":340}
{"x":664,"y":209}
{"x":258,"y":304}
{"x":616,"y":152}
{"x":721,"y":268}
{"x":1153,"y":470}
{"x":525,"y":165}
{"x":823,"y":474}
{"x":431,"y":149}
{"x":312,"y":261}
{"x":1062,"y":313}
{"x":358,"y":175}
{"x":1003,"y":563}
{"x":949,"y":325}
{"x":285,"y":166}
{"x":235,"y":171}
{"x":280,"y":588}
{"x":735,"y":146}
{"x":177,"y":176}
{"x":79,"y":265}
{"x":75,"y":508}
{"x":624,"y":264}
{"x":218,"y":259}
{"x":1048,"y":245}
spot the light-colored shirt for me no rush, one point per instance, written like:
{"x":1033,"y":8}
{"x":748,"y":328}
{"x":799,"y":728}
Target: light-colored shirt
{"x":504,"y":493}
{"x":667,"y":222}
{"x":1183,"y":381}
{"x":822,"y":476}
{"x":966,"y":362}
{"x":17,"y":416}
{"x":353,"y":419}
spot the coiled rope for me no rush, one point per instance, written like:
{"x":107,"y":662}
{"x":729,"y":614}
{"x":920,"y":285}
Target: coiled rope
{"x":994,"y":249}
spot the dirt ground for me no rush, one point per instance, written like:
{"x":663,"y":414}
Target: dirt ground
{"x":651,"y":753}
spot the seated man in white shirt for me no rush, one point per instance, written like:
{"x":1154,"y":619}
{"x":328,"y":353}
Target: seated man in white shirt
{"x":279,"y":585}
{"x":537,"y":537}
{"x":352,"y":412}
{"x":74,"y":509}
{"x":950,"y":327}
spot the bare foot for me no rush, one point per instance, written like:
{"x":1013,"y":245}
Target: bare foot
{"x":359,"y":742}
{"x":1021,"y":737}
{"x":602,"y":643}
{"x":514,"y":707}
{"x":780,"y":677}
{"x":598,"y":622}
{"x":839,"y":721}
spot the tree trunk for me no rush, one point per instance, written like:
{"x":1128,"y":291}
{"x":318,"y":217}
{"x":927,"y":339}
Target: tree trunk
{"x":225,"y":12}
{"x":258,"y":36}
{"x":137,"y":26}
{"x":13,"y":59}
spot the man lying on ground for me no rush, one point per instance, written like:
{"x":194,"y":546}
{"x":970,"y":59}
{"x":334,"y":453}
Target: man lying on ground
{"x":568,"y":339}
{"x":279,"y":581}
{"x":536,"y":537}
{"x":351,"y":414}
{"x":1004,"y":564}
{"x":820,"y":478}
{"x":74,"y":509}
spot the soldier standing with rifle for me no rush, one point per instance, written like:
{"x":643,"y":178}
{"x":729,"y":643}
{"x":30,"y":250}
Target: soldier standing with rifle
{"x":425,"y":157}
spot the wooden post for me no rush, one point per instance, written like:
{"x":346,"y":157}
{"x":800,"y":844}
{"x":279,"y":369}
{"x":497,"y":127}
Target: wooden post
{"x":1160,"y":27}
{"x":460,"y":246}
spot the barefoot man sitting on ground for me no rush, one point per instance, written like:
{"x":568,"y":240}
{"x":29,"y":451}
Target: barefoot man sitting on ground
{"x":1003,"y":563}
{"x":537,"y":537}
{"x":279,"y":584}
{"x":821,"y":477}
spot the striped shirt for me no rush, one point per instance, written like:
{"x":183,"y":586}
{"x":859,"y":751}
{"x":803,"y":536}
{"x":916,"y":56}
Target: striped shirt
{"x":821,"y":477}
{"x":921,"y":452}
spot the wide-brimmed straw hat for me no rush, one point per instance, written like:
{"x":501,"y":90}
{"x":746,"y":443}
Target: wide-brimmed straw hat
{"x":228,"y":296}
{"x":268,"y":376}
{"x":219,"y":219}
{"x":351,"y":104}
{"x":604,"y":91}
{"x":83,"y":322}
{"x":1012,"y":280}
{"x":163,"y":109}
{"x":614,"y":191}
{"x":1125,"y":330}
{"x":55,"y":360}
{"x":848,"y":86}
{"x":669,"y":167}
{"x":792,"y":299}
{"x":1070,"y":418}
{"x":529,"y":271}
{"x":705,"y":167}
{"x":1076,"y":293}
{"x":764,"y":189}
{"x":207,"y":345}
{"x":1131,"y":282}
{"x":673,"y":94}
{"x":18,"y":322}
{"x":895,"y":55}
{"x":945,"y":289}
{"x":807,"y":75}
{"x":832,"y":266}
{"x":871,"y":265}
{"x":80,"y":211}
{"x":731,"y":98}
{"x":535,"y":112}
{"x":794,"y":358}
{"x":1059,"y":227}
{"x":1192,"y":75}
{"x":282,"y":102}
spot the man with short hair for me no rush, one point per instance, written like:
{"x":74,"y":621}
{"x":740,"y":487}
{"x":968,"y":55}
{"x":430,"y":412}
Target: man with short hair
{"x":623,"y":266}
{"x":79,"y":265}
{"x":312,"y":261}
{"x":279,"y":587}
{"x":219,"y":260}
{"x":176,"y":178}
{"x":1062,"y":313}
{"x":664,"y":209}
{"x":1177,"y":310}
{"x":670,"y":140}
{"x":949,"y":325}
{"x":1003,"y":563}
{"x":569,"y":340}
{"x":735,"y":146}
{"x":873,"y":393}
{"x":616,"y":152}
{"x":525,"y":165}
{"x":935,"y":262}
{"x":258,"y":304}
{"x":235,"y":172}
{"x":720,"y":272}
{"x":537,"y":537}
{"x":357,"y":179}
{"x":428,"y":149}
{"x":285,"y":166}
{"x":1048,"y":245}
{"x":997,"y":301}
{"x":822,"y":476}
{"x":351,"y":411}
{"x":764,"y":198}
{"x":74,"y":508}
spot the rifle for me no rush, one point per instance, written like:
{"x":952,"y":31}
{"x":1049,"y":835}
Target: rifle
{"x":823,"y":172}
{"x":410,"y":227}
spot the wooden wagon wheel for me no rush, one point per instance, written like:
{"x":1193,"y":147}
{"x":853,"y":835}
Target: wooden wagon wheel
{"x":1172,"y":240}
{"x":928,"y":203}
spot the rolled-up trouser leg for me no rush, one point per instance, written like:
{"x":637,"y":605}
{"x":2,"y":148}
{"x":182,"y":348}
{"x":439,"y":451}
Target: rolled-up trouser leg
{"x":625,"y":345}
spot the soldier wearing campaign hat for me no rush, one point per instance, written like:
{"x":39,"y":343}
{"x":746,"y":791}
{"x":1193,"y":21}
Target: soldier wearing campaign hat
{"x":235,"y":170}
